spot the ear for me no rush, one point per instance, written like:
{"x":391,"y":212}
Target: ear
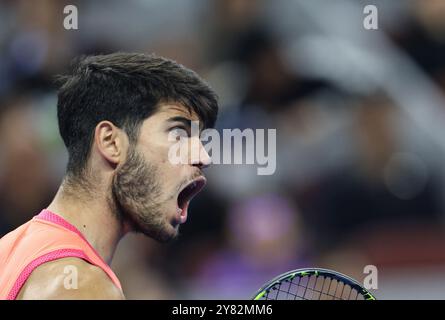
{"x":111,"y":142}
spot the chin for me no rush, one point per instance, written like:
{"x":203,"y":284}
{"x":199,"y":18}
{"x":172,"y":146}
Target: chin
{"x":165,"y":234}
{"x":165,"y":237}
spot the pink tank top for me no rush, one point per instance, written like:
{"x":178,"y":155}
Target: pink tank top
{"x":46,"y":237}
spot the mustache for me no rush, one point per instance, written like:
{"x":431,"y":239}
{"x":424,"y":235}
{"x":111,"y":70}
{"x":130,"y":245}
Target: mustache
{"x":198,"y":173}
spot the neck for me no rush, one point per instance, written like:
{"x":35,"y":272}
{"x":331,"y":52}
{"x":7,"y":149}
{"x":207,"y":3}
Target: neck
{"x":93,"y":216}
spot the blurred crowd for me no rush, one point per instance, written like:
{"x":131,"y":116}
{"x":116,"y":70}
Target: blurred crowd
{"x":359,"y":179}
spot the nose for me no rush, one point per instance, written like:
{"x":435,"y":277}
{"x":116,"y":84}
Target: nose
{"x":202,"y":159}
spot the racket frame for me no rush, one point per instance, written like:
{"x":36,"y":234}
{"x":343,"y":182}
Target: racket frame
{"x":317,"y":272}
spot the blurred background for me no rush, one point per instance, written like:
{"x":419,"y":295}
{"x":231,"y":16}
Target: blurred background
{"x":360,"y":120}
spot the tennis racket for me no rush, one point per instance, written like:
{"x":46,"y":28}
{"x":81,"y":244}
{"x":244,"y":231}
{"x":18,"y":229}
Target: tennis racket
{"x":313,"y":284}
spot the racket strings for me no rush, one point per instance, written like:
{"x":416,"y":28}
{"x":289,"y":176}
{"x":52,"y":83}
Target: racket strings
{"x":312,"y":288}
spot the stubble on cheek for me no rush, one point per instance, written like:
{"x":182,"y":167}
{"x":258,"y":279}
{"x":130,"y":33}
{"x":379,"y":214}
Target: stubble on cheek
{"x":136,"y":192}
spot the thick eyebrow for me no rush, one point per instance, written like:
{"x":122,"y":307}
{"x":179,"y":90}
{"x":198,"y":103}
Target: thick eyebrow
{"x":185,"y":121}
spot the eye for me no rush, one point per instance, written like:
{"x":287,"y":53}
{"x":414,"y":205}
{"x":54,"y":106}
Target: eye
{"x":179,"y":132}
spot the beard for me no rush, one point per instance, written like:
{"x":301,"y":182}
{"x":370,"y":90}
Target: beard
{"x":137,"y":196}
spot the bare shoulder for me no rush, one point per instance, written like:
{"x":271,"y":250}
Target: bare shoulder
{"x":69,"y":278}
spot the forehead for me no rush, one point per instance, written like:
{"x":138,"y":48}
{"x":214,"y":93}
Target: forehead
{"x":164,"y":116}
{"x":169,"y":110}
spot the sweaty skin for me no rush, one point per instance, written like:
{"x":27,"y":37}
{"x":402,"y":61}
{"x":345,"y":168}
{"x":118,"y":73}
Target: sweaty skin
{"x":50,"y":282}
{"x":96,"y":217}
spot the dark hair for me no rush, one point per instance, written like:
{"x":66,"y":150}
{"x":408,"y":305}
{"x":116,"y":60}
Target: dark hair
{"x":124,"y":88}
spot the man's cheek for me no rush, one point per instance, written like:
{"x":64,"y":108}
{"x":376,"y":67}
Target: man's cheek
{"x":179,"y":152}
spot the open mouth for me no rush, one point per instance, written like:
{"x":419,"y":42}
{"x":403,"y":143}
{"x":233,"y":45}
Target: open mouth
{"x":189,"y":191}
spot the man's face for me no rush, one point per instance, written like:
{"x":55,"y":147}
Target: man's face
{"x":152,"y":193}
